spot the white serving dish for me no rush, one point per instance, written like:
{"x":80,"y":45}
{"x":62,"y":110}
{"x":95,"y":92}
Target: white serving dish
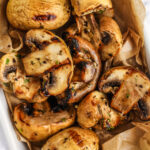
{"x":8,"y":138}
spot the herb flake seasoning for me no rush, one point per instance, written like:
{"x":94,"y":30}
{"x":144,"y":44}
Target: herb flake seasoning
{"x":63,"y":119}
{"x":20,"y":130}
{"x":26,"y":80}
{"x":127,"y":95}
{"x":7,"y":61}
{"x":101,"y":11}
{"x":57,"y":62}
{"x":7,"y":84}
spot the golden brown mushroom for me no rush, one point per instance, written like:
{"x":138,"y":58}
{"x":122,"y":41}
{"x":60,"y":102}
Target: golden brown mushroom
{"x":13,"y":79}
{"x":84,"y":7}
{"x":9,"y":63}
{"x":125,"y":87}
{"x":87,"y":28}
{"x":132,"y":89}
{"x":25,"y":14}
{"x":111,"y":38}
{"x":73,"y":138}
{"x":94,"y":108}
{"x":50,"y":59}
{"x":27,"y":88}
{"x":38,"y":121}
{"x":87,"y":69}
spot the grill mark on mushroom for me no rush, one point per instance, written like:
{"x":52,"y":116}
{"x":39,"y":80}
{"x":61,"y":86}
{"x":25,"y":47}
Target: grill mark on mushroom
{"x":38,"y":44}
{"x":52,"y":78}
{"x":74,"y":46}
{"x":55,"y":39}
{"x":48,"y":17}
{"x":76,"y":137}
{"x":112,"y":84}
{"x":143,"y":106}
{"x":23,"y":121}
{"x":82,"y":65}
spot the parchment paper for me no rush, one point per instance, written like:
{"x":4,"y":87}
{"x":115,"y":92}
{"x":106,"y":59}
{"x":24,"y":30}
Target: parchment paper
{"x":128,"y":14}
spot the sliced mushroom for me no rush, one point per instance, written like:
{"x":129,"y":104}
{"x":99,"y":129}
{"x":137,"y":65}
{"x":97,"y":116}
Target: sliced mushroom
{"x":132,"y":89}
{"x":87,"y":69}
{"x":112,"y":79}
{"x":111,"y":38}
{"x":95,"y":108}
{"x":50,"y":59}
{"x":144,"y":107}
{"x":56,"y":81}
{"x":124,"y":86}
{"x":74,"y":138}
{"x":49,"y":51}
{"x":27,"y":88}
{"x":37,"y":121}
{"x":84,"y":7}
{"x":8,"y":67}
{"x":89,"y":30}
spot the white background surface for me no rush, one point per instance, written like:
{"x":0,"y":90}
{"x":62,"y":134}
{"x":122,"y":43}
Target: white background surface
{"x":8,"y":139}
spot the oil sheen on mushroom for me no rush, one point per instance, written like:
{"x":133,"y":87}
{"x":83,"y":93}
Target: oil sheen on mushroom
{"x":38,"y":121}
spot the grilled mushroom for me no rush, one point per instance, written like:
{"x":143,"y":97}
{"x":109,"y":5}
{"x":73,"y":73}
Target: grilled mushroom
{"x":124,"y":86}
{"x":37,"y":121}
{"x":8,"y":67}
{"x":94,"y":108}
{"x":86,"y":72}
{"x":9,"y":63}
{"x":25,"y":15}
{"x":112,"y":79}
{"x":84,"y":7}
{"x":132,"y":89}
{"x":73,"y":138}
{"x":111,"y":38}
{"x":56,"y":81}
{"x":48,"y":51}
{"x":27,"y":88}
{"x":87,"y":28}
{"x":50,"y":58}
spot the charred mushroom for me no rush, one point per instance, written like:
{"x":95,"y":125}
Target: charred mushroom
{"x":112,"y":79}
{"x":25,"y":15}
{"x":124,"y":87}
{"x":111,"y":38}
{"x":132,"y":89}
{"x":87,"y":28}
{"x":27,"y":88}
{"x":37,"y":121}
{"x":48,"y":51}
{"x":84,"y":7}
{"x":73,"y":138}
{"x":50,"y":59}
{"x":94,"y":108}
{"x":57,"y":80}
{"x":87,"y":69}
